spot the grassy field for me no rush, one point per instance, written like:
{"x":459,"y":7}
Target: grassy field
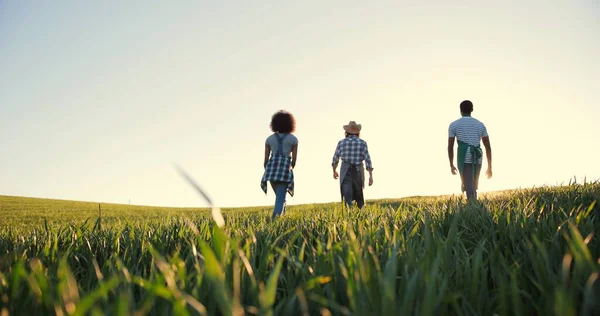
{"x":522,"y":252}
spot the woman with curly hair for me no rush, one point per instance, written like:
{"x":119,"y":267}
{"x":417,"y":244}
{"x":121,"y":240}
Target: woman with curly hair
{"x":281,"y":150}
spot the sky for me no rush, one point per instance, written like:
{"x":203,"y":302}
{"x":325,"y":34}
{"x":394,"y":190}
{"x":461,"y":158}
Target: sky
{"x":99,"y":99}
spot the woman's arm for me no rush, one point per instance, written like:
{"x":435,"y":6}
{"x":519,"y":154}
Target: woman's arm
{"x":294,"y":155}
{"x":267,"y":153}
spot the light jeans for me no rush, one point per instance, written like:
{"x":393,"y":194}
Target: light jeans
{"x":280,"y":189}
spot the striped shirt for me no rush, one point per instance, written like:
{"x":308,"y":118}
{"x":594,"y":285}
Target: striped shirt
{"x":352,"y":150}
{"x":468,"y":130}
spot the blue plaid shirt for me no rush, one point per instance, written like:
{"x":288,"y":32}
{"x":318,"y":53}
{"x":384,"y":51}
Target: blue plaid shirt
{"x":353,"y":150}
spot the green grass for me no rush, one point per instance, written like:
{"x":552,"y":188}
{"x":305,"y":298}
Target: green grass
{"x":519,"y":252}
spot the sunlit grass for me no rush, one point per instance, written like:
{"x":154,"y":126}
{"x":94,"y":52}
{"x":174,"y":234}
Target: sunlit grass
{"x":518,"y":253}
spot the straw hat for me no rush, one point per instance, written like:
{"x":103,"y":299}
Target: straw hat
{"x":352,"y":128}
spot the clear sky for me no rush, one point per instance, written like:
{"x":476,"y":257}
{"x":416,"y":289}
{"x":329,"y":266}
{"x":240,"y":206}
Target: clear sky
{"x":98,"y":98}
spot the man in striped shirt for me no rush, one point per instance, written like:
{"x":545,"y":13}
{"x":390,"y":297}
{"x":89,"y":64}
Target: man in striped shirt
{"x":353,"y":151}
{"x":468,"y":131}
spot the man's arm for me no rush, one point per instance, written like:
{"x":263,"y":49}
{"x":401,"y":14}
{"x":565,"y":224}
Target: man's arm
{"x":294,"y":155}
{"x":451,"y":154}
{"x":488,"y":154}
{"x":368,"y":163}
{"x":335,"y":161}
{"x":370,"y":176}
{"x":267,"y":153}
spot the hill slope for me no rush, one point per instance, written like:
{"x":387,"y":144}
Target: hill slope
{"x":26,"y":212}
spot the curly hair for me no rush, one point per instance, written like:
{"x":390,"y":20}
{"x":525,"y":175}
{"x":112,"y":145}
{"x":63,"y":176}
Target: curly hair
{"x":283,"y":122}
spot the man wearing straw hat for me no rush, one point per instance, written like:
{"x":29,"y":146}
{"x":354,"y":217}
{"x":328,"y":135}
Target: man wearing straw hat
{"x":353,"y":151}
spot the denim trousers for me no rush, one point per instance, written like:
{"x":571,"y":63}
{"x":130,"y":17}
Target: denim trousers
{"x":351,"y":188}
{"x":470,"y":180}
{"x":280,"y":189}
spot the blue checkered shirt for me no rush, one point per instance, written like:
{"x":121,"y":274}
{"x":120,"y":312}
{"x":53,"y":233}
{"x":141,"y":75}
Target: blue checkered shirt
{"x":279,"y":168}
{"x":352,"y":150}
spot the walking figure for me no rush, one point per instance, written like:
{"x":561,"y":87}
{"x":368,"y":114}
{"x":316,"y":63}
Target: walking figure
{"x":283,"y":149}
{"x":353,"y":151}
{"x":468,"y":132}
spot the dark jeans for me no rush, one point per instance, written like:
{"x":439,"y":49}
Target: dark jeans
{"x":470,"y":184}
{"x":352,"y":188}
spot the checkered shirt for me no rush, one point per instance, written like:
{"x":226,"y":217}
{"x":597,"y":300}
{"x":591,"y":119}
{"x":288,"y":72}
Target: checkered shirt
{"x":352,"y":150}
{"x":279,"y":168}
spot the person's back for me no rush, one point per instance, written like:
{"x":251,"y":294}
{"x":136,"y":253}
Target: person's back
{"x":352,"y":150}
{"x":289,"y":140}
{"x":468,"y":132}
{"x":281,"y":150}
